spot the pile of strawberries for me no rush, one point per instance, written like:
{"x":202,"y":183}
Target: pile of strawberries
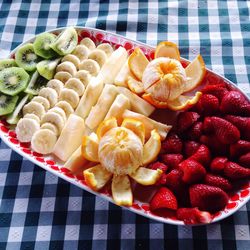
{"x":205,"y":156}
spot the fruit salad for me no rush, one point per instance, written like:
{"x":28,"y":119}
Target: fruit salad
{"x":93,"y":107}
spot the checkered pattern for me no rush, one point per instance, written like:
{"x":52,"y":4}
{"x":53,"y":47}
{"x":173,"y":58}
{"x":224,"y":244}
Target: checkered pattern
{"x":40,"y":211}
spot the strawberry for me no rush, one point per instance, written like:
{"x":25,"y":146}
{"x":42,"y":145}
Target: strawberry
{"x":185,"y":120}
{"x":217,"y":181}
{"x":244,"y":160}
{"x":242,"y":123}
{"x":202,"y":155}
{"x":164,"y":198}
{"x":234,"y":171}
{"x":208,"y":198}
{"x":239,"y":148}
{"x":234,"y":103}
{"x":218,"y":90}
{"x":158,"y":165}
{"x":225,"y":131}
{"x":171,"y":160}
{"x":172,"y":144}
{"x":193,"y":216}
{"x":194,"y":133}
{"x":218,"y":164}
{"x":208,"y":104}
{"x":190,"y":147}
{"x":193,"y":171}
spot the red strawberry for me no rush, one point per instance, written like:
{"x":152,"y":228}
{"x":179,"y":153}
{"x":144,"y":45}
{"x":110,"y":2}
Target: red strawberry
{"x":193,"y":216}
{"x":225,"y":131}
{"x":207,"y":198}
{"x":234,"y":103}
{"x":194,"y":133}
{"x":239,"y":148}
{"x":245,"y":160}
{"x":185,"y":120}
{"x":164,"y":198}
{"x":193,"y":171}
{"x":208,"y":104}
{"x":218,"y":164}
{"x":171,"y":160}
{"x":234,"y":171}
{"x":218,"y":90}
{"x":242,"y":123}
{"x":202,"y":155}
{"x":158,"y":165}
{"x":172,"y":144}
{"x":217,"y":181}
{"x":190,"y":147}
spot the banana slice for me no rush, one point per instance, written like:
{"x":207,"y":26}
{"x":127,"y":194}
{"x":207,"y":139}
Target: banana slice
{"x":43,"y":101}
{"x":99,"y":56}
{"x":26,"y":128}
{"x":59,"y":111}
{"x":50,"y":94}
{"x":53,"y":118}
{"x":88,"y":43}
{"x":82,"y":52}
{"x":62,"y":76}
{"x":75,"y":84}
{"x":66,"y":107}
{"x":50,"y":126}
{"x":56,"y":84}
{"x":70,"y":96}
{"x":32,"y":116}
{"x":91,"y":66}
{"x":34,"y":108}
{"x":84,"y":76}
{"x":107,"y":48}
{"x":67,"y":67}
{"x":71,"y":58}
{"x":43,"y":141}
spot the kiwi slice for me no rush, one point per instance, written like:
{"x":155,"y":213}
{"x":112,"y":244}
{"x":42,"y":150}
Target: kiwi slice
{"x":66,"y":42}
{"x":7,"y":104}
{"x":13,"y":80}
{"x":26,"y":57}
{"x":7,"y":63}
{"x":14,"y":117}
{"x":42,"y":45}
{"x":36,"y":83}
{"x":47,"y":68}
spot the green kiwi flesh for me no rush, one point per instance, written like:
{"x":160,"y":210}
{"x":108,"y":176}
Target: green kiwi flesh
{"x":42,"y":45}
{"x":47,"y":68}
{"x":36,"y":83}
{"x":7,"y":104}
{"x":26,"y":57}
{"x":13,"y":80}
{"x":66,"y":42}
{"x":7,"y":63}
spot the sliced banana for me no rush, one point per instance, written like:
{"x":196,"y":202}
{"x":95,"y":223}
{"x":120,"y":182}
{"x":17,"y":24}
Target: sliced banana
{"x":53,"y":118}
{"x":99,"y":56}
{"x":43,"y":141}
{"x":84,"y":76}
{"x":88,"y":43}
{"x":43,"y":101}
{"x":59,"y":111}
{"x":50,"y":94}
{"x":71,"y":58}
{"x":75,"y":84}
{"x":70,"y":96}
{"x":67,"y":67}
{"x":26,"y":128}
{"x":62,"y":76}
{"x":32,"y":116}
{"x":82,"y":52}
{"x":34,"y":108}
{"x":56,"y":84}
{"x":50,"y":126}
{"x":91,"y":66}
{"x":66,"y":107}
{"x":107,"y":48}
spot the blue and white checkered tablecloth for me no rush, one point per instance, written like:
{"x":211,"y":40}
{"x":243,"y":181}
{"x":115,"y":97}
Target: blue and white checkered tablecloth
{"x":40,"y":211}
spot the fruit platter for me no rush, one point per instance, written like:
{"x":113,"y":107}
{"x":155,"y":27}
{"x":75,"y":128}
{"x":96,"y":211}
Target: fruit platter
{"x":136,"y":125}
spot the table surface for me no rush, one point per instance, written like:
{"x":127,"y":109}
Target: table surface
{"x":40,"y":211}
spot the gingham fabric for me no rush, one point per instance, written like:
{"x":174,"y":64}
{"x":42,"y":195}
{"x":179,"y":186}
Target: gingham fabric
{"x":40,"y":211}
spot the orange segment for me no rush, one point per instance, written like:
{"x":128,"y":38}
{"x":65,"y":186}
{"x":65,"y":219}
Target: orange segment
{"x":136,"y":126}
{"x":167,"y":49}
{"x":105,"y":126}
{"x":135,"y":85}
{"x":137,"y":62}
{"x":90,"y":147}
{"x":158,"y":104}
{"x":195,"y":73}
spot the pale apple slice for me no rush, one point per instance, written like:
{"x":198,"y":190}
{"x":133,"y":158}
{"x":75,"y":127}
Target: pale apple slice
{"x":137,"y":103}
{"x":122,"y":77}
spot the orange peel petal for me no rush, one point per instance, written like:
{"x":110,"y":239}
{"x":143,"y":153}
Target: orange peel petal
{"x":158,"y":104}
{"x":167,"y":49}
{"x":90,"y":147}
{"x":105,"y":126}
{"x":135,"y":85}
